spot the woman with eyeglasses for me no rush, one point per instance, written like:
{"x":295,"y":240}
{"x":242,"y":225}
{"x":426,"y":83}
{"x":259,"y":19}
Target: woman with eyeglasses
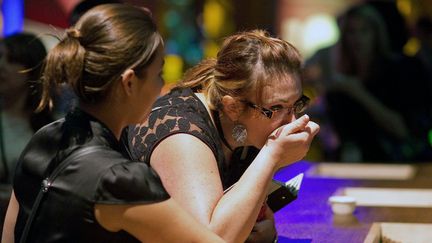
{"x":74,"y":182}
{"x":250,"y":95}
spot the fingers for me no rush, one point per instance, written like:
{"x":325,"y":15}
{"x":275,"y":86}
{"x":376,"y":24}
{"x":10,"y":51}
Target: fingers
{"x":269,"y":214}
{"x":297,"y":125}
{"x":291,"y":142}
{"x":263,"y":231}
{"x":293,"y":127}
{"x":312,"y":128}
{"x":301,"y":140}
{"x":307,"y":134}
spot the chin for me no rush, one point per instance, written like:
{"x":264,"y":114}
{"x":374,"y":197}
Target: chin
{"x":258,"y":144}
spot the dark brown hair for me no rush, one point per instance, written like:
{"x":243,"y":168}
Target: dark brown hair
{"x":381,"y":42}
{"x":29,"y":51}
{"x":106,"y":40}
{"x":246,"y":62}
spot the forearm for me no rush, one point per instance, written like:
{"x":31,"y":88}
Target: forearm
{"x":191,"y":177}
{"x":386,"y":118}
{"x":10,"y":220}
{"x":285,"y":145}
{"x":236,"y":212}
{"x":163,"y":221}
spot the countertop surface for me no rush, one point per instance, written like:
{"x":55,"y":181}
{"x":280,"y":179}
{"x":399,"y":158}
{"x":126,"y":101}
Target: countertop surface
{"x":310,"y":219}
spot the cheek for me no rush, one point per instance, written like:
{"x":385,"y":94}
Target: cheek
{"x":152,"y":90}
{"x":156,"y":91}
{"x":259,"y":131}
{"x":149,"y":97}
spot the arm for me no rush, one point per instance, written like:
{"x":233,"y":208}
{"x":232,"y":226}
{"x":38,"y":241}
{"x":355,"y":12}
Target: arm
{"x":264,"y":230}
{"x":158,"y":222}
{"x":10,"y":220}
{"x":189,"y":173}
{"x":386,"y":118}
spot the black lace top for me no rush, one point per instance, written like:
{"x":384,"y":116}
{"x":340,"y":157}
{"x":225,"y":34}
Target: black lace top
{"x":106,"y":176}
{"x":179,"y":111}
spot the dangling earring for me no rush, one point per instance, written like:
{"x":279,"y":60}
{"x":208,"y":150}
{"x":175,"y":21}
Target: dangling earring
{"x":239,"y":133}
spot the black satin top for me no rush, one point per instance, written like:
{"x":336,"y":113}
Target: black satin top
{"x":107,"y":176}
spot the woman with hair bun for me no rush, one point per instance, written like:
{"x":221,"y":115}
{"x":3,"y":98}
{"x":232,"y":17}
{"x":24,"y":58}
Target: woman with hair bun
{"x":250,"y":95}
{"x":74,"y":182}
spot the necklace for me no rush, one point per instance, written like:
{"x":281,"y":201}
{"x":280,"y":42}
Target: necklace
{"x":216,"y":118}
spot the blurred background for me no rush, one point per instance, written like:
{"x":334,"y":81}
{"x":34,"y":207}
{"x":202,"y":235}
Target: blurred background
{"x":367,"y":63}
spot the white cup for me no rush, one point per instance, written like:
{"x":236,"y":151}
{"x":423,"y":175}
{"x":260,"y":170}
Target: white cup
{"x":342,"y":205}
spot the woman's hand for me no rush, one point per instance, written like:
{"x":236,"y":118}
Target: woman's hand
{"x":264,"y":231}
{"x":348,"y":85}
{"x":291,"y":142}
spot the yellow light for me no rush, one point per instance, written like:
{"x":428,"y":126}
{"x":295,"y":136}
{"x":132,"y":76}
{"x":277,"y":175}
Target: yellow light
{"x":312,"y":33}
{"x":213,"y":18}
{"x":404,"y":7}
{"x":320,"y":31}
{"x":211,"y":49}
{"x":173,"y":69}
{"x":411,"y":47}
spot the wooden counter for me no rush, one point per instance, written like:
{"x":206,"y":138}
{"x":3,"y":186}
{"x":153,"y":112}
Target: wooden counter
{"x":310,"y":219}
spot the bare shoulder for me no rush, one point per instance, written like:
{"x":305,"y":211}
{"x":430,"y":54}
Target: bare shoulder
{"x":187,"y":168}
{"x":182,"y":146}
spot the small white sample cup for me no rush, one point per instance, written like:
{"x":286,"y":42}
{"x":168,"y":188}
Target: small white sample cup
{"x":342,"y":205}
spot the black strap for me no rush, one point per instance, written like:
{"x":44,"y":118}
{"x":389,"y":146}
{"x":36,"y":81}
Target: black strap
{"x":47,"y":182}
{"x":216,"y":119}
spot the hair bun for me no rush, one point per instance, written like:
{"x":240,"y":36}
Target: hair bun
{"x":73,"y":33}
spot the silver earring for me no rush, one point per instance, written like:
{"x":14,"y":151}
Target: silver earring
{"x":239,"y":133}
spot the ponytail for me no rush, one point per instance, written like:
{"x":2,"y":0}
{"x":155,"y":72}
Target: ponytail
{"x":206,"y":77}
{"x":202,"y":78}
{"x":198,"y":77}
{"x":63,"y":64}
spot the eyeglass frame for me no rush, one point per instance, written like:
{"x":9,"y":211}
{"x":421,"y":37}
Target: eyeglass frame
{"x":304,"y":101}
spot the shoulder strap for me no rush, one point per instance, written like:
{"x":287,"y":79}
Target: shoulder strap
{"x":47,"y":182}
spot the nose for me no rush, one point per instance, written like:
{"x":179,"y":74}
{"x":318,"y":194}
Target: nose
{"x":289,"y":118}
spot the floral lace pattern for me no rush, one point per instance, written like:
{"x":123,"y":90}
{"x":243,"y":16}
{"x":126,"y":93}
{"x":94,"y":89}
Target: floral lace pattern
{"x":180,"y":111}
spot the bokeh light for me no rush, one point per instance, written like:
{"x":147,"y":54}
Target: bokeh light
{"x":12,"y":16}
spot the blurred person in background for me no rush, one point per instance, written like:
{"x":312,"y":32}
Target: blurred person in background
{"x":21,"y":56}
{"x":374,"y":99}
{"x":397,"y":28}
{"x":84,"y":6}
{"x":423,"y":30}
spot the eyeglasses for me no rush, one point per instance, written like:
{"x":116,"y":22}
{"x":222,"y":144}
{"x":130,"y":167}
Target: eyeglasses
{"x":299,"y":106}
